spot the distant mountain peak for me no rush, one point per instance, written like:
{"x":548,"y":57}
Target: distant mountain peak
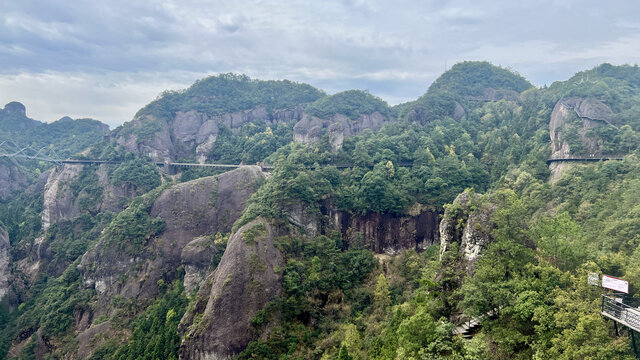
{"x":15,"y":108}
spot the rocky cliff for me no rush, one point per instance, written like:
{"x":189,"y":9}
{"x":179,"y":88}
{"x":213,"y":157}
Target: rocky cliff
{"x":190,"y":132}
{"x":467,"y":222}
{"x":591,"y":113}
{"x":169,"y":139}
{"x":199,"y":208}
{"x":59,"y":202}
{"x":247,"y":278}
{"x":5,"y":269}
{"x":310,"y":129}
{"x":14,"y":117}
{"x":12,"y":179}
{"x":385,"y":233}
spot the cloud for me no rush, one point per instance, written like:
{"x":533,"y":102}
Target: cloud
{"x":111,"y":97}
{"x":335,"y":44}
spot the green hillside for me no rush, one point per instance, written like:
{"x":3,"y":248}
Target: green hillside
{"x":518,"y":244}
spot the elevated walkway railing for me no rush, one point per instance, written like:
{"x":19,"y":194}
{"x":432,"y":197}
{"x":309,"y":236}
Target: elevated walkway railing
{"x":616,"y":310}
{"x":580,"y":158}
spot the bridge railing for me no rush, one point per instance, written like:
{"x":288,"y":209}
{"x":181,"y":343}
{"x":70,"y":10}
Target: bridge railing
{"x":615,"y":309}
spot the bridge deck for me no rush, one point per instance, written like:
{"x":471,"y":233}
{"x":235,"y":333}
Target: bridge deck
{"x":584,"y":159}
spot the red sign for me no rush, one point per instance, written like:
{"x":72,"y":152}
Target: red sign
{"x":614,"y":283}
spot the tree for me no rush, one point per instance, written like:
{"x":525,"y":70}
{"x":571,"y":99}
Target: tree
{"x":381,"y":296}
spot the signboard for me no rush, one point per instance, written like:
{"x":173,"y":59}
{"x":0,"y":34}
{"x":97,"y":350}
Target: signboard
{"x":593,"y":279}
{"x":615,"y":283}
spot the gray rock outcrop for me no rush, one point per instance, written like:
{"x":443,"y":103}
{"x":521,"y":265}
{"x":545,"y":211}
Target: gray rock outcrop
{"x":190,"y":210}
{"x":469,"y":226}
{"x":592,"y":112}
{"x":386,"y":233}
{"x":248,"y":277}
{"x":12,"y":179}
{"x":189,"y":131}
{"x":59,"y":202}
{"x":310,"y":129}
{"x":5,"y":270}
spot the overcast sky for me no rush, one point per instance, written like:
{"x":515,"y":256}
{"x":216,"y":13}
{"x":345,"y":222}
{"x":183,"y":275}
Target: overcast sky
{"x":106,"y":59}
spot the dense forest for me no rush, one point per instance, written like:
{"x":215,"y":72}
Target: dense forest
{"x":338,"y":298}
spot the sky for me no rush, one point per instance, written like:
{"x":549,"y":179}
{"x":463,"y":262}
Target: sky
{"x":107,"y":59}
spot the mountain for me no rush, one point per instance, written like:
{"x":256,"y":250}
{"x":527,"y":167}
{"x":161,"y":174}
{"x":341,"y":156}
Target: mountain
{"x":463,"y":88}
{"x":23,"y":136}
{"x":378,"y":233}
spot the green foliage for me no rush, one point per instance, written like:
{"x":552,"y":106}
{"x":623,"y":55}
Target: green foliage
{"x":316,"y":278}
{"x":252,"y":143}
{"x":226,"y":93}
{"x":132,"y":228}
{"x":154,"y":333}
{"x":464,"y":83}
{"x":87,"y":189}
{"x":351,"y":103}
{"x":336,"y":301}
{"x":139,"y":172}
{"x":254,"y":232}
{"x":63,"y":138}
{"x":51,"y":310}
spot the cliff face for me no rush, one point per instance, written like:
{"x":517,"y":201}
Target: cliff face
{"x":193,"y":131}
{"x":12,"y":179}
{"x":386,"y":233}
{"x":189,"y":131}
{"x":5,"y":269}
{"x":59,"y":202}
{"x":310,"y":129}
{"x":190,"y":211}
{"x":248,"y":277}
{"x":468,"y":226}
{"x":592,"y":113}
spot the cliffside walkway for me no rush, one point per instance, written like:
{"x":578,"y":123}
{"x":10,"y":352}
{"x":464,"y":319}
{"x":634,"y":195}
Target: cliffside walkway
{"x":623,"y":314}
{"x":169,"y":166}
{"x":584,"y":158}
{"x":582,"y":116}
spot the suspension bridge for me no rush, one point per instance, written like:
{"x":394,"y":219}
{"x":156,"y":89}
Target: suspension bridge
{"x":9,"y":149}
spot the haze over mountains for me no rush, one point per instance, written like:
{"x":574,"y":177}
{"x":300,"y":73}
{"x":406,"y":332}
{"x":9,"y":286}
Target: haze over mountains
{"x":379,"y":230}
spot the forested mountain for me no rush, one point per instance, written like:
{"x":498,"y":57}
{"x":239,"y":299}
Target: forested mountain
{"x":377,"y":233}
{"x":22,"y":136}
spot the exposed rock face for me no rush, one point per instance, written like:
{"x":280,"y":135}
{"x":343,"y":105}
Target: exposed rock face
{"x":5,"y":270}
{"x":11,"y":179}
{"x":310,"y":129}
{"x":114,"y":198}
{"x":387,"y":233}
{"x":178,"y":137}
{"x":471,"y":229}
{"x":247,"y":278}
{"x":196,"y":258}
{"x":59,"y":202}
{"x":157,"y":145}
{"x":190,"y":210}
{"x":592,"y":112}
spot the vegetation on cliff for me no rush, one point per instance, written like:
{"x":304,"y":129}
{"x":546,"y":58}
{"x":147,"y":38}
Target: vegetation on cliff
{"x":338,"y":299}
{"x":227,"y":93}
